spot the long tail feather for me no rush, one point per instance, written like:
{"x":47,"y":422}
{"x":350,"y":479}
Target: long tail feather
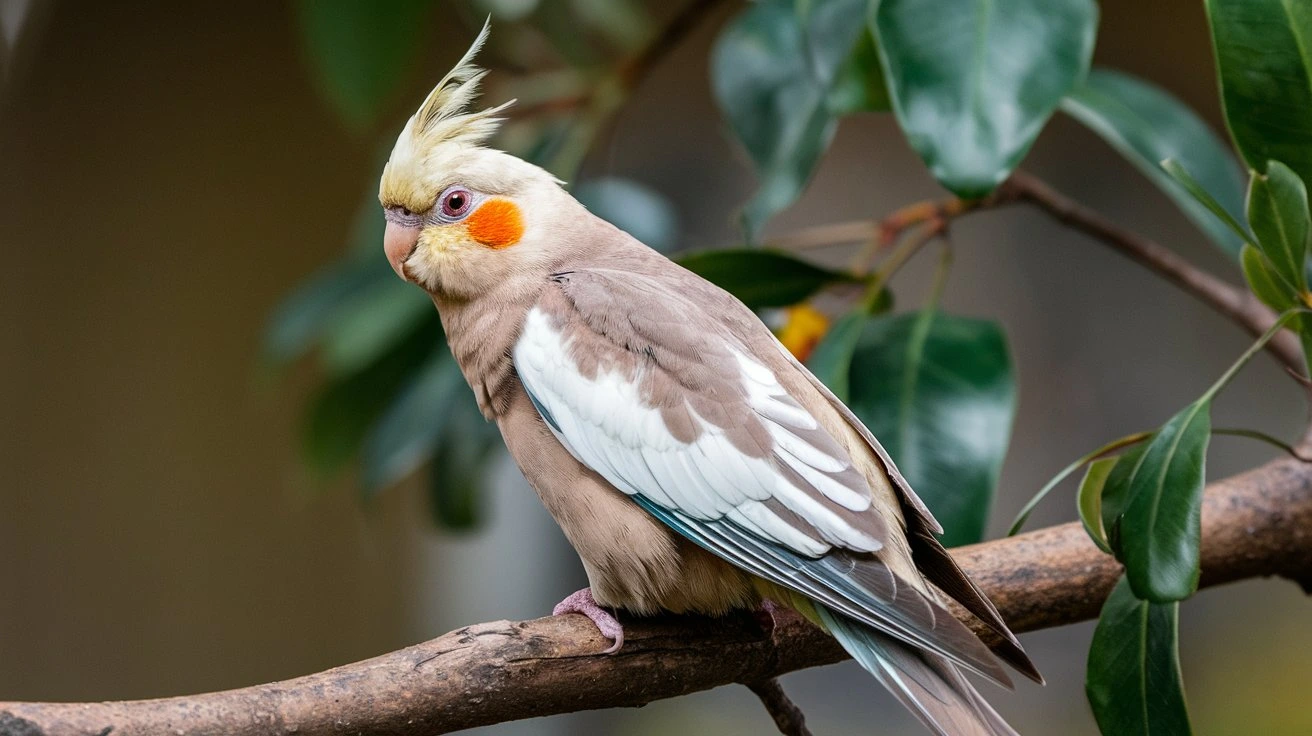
{"x":927,"y":684}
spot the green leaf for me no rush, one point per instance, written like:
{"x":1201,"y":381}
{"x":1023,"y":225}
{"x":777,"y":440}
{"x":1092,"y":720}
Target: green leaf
{"x":408,"y":433}
{"x":1264,"y":62}
{"x":1024,"y":514}
{"x":973,"y":82}
{"x":939,"y":393}
{"x":761,"y":278}
{"x":1089,"y":500}
{"x":1161,"y":495}
{"x":1277,"y":212}
{"x":1116,"y":494}
{"x":831,"y":361}
{"x":773,"y":70}
{"x":341,"y":414}
{"x":632,"y":207}
{"x":460,"y":465}
{"x":860,"y":83}
{"x":1146,"y":124}
{"x":1134,"y":684}
{"x":1263,"y":282}
{"x":368,"y":324}
{"x":306,"y":314}
{"x":1181,"y":175}
{"x":359,"y":51}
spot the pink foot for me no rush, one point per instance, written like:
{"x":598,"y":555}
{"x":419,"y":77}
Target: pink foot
{"x":768,"y":614}
{"x":583,"y":602}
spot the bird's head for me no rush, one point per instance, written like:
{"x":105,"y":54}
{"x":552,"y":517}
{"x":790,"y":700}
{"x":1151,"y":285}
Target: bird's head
{"x":461,"y":217}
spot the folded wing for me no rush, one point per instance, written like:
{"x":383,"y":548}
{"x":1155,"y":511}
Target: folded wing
{"x":670,"y":408}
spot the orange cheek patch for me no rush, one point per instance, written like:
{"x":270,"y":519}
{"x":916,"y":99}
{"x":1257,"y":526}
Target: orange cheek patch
{"x":498,"y":223}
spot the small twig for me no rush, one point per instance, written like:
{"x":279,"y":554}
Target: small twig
{"x":1237,"y":304}
{"x":889,"y":229}
{"x":637,"y":68}
{"x":822,"y":236}
{"x":550,"y":106}
{"x":608,"y":94}
{"x":787,"y":716}
{"x":629,"y":73}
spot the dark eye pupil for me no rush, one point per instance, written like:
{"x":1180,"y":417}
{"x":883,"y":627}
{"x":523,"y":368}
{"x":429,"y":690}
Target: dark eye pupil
{"x":456,"y":202}
{"x":406,"y":211}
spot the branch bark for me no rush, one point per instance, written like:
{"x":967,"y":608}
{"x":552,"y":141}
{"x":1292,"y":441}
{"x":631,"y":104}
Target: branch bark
{"x":1254,"y":524}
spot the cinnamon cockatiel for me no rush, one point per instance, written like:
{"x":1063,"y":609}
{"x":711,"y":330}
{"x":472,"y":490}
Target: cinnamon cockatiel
{"x":693,"y":463}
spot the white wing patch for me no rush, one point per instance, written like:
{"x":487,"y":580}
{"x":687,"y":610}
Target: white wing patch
{"x":605,"y":424}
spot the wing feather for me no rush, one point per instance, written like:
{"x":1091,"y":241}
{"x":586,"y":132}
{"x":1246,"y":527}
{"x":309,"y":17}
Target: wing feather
{"x":707,"y":440}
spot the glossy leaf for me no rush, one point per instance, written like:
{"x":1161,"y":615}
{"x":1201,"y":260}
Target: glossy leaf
{"x":1278,"y":214}
{"x":939,"y":393}
{"x":359,"y":52}
{"x":1265,"y":284}
{"x":1146,"y":124}
{"x":1089,"y":500}
{"x":408,"y":433}
{"x":1133,"y":683}
{"x":831,"y":361}
{"x":773,"y":70}
{"x":460,"y":464}
{"x":761,"y":278}
{"x":1024,"y":514}
{"x":342,"y":413}
{"x":972,"y":83}
{"x":1162,"y":496}
{"x":632,"y":207}
{"x":1116,"y":494}
{"x":1184,"y":178}
{"x":1264,"y":61}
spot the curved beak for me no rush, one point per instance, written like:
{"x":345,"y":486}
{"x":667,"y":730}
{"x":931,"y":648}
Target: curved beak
{"x":399,"y":243}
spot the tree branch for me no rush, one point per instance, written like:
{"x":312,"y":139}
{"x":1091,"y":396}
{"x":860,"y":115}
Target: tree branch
{"x":1254,"y":524}
{"x":1237,"y":304}
{"x":787,"y":716}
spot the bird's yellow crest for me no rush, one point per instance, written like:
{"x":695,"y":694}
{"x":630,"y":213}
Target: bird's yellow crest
{"x":442,"y":124}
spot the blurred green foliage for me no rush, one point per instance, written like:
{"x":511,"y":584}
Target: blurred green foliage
{"x":971,"y":84}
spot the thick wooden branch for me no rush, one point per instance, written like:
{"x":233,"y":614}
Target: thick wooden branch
{"x":1258,"y":523}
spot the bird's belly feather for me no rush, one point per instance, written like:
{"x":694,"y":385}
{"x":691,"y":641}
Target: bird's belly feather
{"x":633,"y":561}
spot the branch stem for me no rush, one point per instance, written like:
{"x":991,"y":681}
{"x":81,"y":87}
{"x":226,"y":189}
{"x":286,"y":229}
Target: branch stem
{"x":787,"y":716}
{"x":932,"y":217}
{"x":1253,"y":524}
{"x":1234,"y":303}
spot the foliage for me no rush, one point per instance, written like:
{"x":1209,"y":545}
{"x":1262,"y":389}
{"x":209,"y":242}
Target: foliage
{"x":971,"y":85}
{"x":940,"y":394}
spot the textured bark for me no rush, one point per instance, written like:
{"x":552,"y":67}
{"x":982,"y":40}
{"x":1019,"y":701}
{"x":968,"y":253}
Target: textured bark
{"x":1257,"y":523}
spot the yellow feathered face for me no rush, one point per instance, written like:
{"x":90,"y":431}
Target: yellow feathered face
{"x":457,"y":212}
{"x":457,"y":220}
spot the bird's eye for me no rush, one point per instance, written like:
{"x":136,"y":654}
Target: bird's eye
{"x":406,"y":211}
{"x":455,"y":202}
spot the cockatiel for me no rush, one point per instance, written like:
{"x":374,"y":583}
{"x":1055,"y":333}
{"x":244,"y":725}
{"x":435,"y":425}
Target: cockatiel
{"x":693,"y":463}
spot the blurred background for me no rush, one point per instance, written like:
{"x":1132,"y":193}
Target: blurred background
{"x":171,"y":171}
